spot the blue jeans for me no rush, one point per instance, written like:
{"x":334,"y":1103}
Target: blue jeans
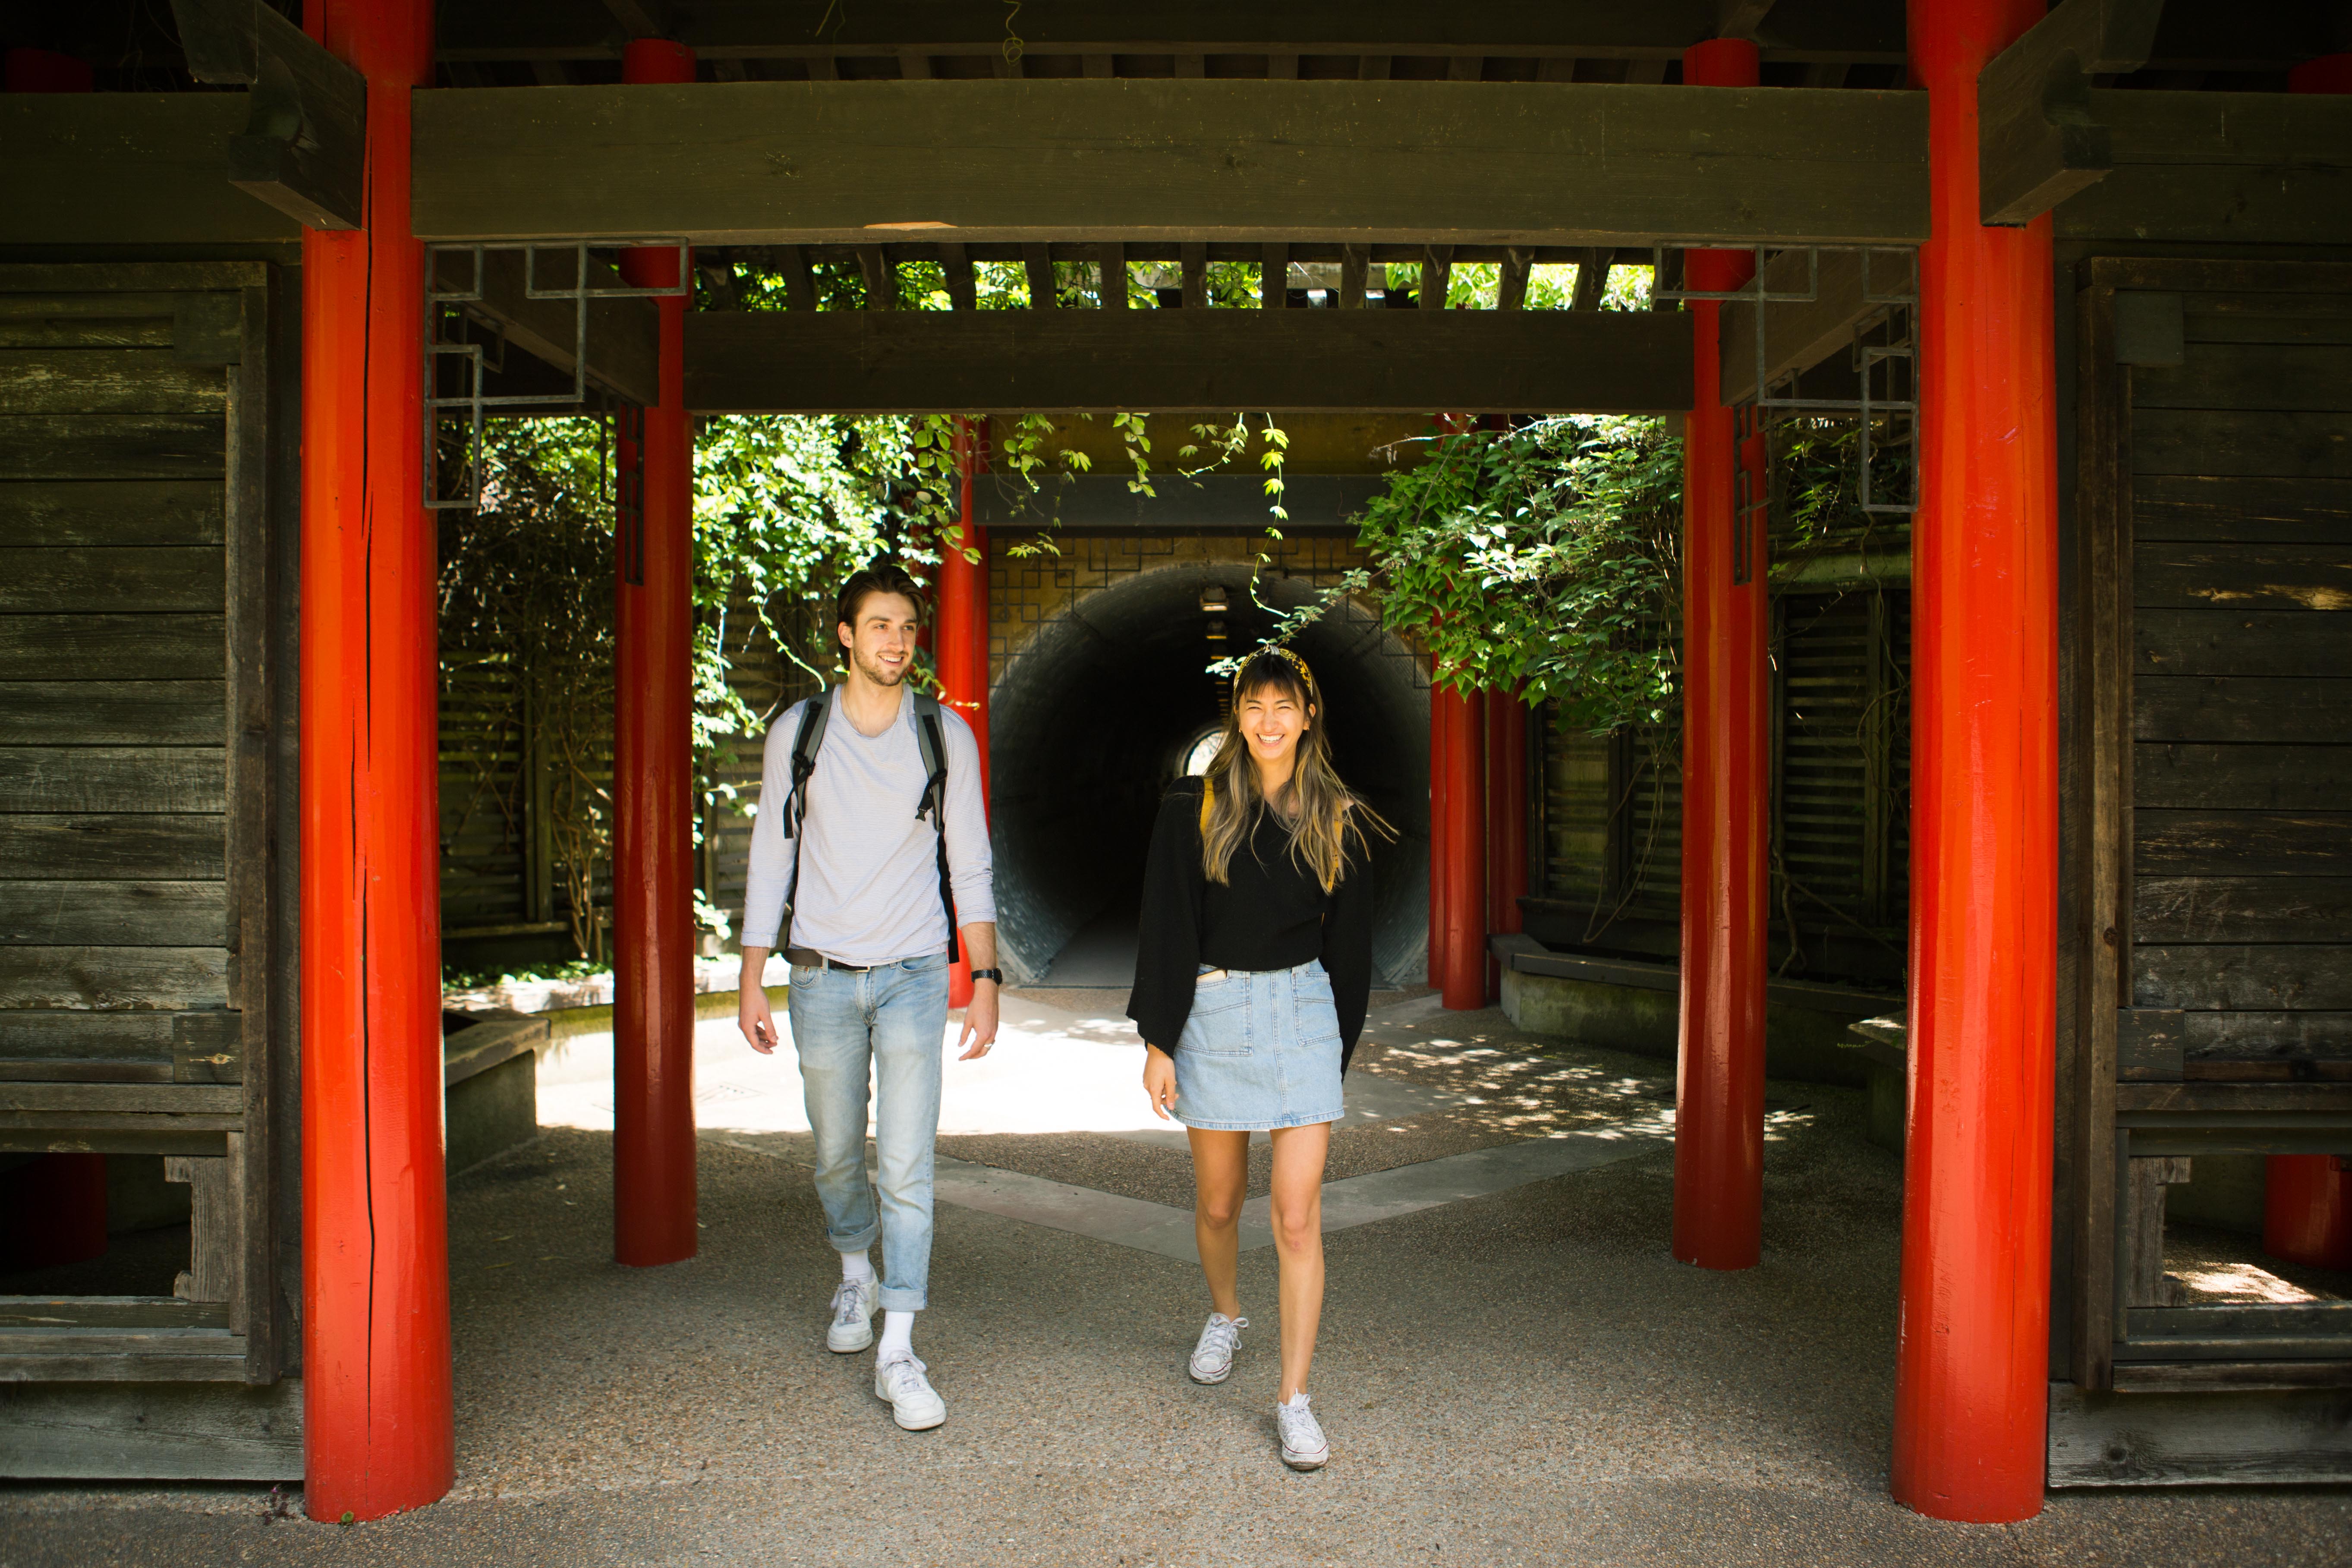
{"x":893,"y":1020}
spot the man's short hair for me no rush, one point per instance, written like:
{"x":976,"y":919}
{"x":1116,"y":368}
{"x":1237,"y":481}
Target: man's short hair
{"x":882,"y":577}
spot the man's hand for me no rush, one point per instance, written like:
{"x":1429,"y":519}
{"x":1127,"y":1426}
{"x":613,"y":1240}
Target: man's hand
{"x":980,"y":1017}
{"x":978,"y":1020}
{"x":751,"y":1012}
{"x":1160,"y":1080}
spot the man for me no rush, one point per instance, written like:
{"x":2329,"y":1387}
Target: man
{"x":863,"y":881}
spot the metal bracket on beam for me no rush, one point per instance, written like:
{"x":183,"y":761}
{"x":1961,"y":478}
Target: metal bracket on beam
{"x":304,"y":146}
{"x":449,"y":325}
{"x":1885,"y":404}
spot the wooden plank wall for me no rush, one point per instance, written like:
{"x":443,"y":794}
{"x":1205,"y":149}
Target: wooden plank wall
{"x":2240,"y":909}
{"x":145,"y":947}
{"x":114,"y":918}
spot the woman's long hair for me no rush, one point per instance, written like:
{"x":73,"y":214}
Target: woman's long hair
{"x":1328,"y":824}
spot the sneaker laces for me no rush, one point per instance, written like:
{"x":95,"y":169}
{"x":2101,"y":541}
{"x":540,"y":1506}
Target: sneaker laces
{"x":1298,"y":1422}
{"x":1222,"y":1335}
{"x":845,"y":1299}
{"x":900,"y":1369}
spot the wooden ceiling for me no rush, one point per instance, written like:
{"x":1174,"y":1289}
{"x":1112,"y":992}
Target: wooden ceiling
{"x":1805,"y":43}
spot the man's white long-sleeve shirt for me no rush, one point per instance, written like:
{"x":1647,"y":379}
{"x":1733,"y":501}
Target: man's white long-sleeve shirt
{"x":869,"y":887}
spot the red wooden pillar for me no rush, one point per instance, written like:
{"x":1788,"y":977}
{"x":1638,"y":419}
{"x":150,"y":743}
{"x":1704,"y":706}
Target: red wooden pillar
{"x":1972,"y":1387}
{"x":962,"y":649}
{"x":44,"y":70}
{"x":377,"y":1433}
{"x":1440,"y":716}
{"x":653,"y":783}
{"x":2307,"y":1210}
{"x":1457,"y":832}
{"x":1506,"y":819}
{"x":1719,"y":1089}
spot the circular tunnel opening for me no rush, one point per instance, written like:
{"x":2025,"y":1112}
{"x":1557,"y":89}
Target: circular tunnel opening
{"x":1102,"y":709}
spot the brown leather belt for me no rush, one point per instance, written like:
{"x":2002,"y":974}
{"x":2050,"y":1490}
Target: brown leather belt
{"x":810,"y":958}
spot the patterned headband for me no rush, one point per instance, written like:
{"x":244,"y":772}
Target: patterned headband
{"x":1296,"y":663}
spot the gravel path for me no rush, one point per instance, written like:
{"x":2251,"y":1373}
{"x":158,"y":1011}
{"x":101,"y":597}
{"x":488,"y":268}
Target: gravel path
{"x":1522,"y":1378}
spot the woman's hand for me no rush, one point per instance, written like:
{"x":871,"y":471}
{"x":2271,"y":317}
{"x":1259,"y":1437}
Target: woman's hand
{"x":1160,"y":1080}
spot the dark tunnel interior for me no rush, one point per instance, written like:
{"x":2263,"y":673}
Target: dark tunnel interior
{"x":1090,"y":721}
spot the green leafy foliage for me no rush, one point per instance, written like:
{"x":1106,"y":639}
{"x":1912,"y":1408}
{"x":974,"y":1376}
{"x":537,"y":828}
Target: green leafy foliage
{"x":1542,"y":558}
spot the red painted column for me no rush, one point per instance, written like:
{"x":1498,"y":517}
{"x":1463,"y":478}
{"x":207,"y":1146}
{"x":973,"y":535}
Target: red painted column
{"x":1441,"y":716}
{"x":1719,"y":1089}
{"x":1458,"y":838}
{"x":44,"y":70}
{"x":1506,"y":819}
{"x":962,"y":649}
{"x":653,"y":784}
{"x":377,"y":1434}
{"x":2306,"y":1217}
{"x":1972,"y":1385}
{"x":2307,"y":1210}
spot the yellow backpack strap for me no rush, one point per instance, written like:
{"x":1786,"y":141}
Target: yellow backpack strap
{"x":1208,"y":799}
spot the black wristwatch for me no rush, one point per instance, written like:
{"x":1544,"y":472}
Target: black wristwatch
{"x":995,"y":974}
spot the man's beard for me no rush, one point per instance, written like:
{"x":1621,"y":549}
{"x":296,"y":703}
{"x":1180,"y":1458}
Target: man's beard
{"x":874,"y":671}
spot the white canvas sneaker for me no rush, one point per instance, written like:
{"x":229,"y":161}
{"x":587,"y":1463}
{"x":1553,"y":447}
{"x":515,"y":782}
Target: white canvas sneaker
{"x":914,"y":1405}
{"x":1303,"y":1445}
{"x":852,"y":1315}
{"x":1212,"y":1358}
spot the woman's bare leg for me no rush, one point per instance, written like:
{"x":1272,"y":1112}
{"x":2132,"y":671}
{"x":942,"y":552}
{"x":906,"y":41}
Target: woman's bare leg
{"x":1220,"y":1177}
{"x":1299,"y":1157}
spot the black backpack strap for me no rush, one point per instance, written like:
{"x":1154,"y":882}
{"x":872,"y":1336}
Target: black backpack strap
{"x":932,"y":741}
{"x":807,"y":741}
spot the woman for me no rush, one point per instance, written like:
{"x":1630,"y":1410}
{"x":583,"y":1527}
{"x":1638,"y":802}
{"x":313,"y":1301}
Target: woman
{"x":1251,"y":979}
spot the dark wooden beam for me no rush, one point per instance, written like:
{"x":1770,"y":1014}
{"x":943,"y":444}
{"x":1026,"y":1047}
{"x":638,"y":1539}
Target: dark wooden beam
{"x":800,"y":283}
{"x":1114,"y":277}
{"x":1037,"y":260}
{"x":119,"y":168}
{"x":2270,"y":168}
{"x":303,"y":148}
{"x":1436,"y":276}
{"x":963,"y":290}
{"x":1592,"y":280}
{"x":2038,"y":142}
{"x":786,"y":29}
{"x":1141,"y":160}
{"x":1195,"y":262}
{"x":1511,"y":281}
{"x":1273,"y":277}
{"x":1740,"y":18}
{"x":881,"y":277}
{"x":623,"y":335}
{"x":758,"y":362}
{"x":1355,"y":262}
{"x":639,"y":18}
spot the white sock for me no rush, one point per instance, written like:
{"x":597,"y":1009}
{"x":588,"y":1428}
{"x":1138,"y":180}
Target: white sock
{"x":855,"y":1265}
{"x":898,"y":1335}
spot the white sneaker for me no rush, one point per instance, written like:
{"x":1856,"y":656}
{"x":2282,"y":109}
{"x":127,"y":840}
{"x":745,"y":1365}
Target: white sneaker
{"x":852,"y":1315}
{"x":914,"y":1404}
{"x":1212,"y":1358}
{"x":1303,"y":1445}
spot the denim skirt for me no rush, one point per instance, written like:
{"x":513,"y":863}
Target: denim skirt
{"x":1261,"y":1049}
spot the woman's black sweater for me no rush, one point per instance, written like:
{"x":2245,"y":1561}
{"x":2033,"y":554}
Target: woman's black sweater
{"x":1271,"y":913}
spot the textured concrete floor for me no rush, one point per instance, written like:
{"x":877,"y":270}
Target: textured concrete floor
{"x":1522,"y":1378}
